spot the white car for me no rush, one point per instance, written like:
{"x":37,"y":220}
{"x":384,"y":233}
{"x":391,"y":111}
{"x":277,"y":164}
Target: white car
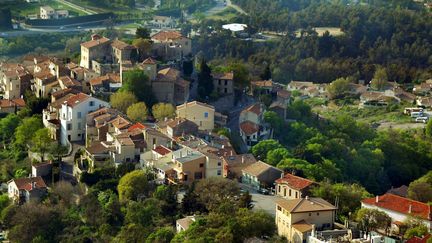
{"x":423,"y":119}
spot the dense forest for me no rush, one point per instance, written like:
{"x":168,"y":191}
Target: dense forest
{"x":397,"y":39}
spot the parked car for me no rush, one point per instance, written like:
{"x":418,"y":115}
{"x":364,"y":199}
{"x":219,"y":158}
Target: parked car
{"x":423,"y":119}
{"x":264,"y":191}
{"x":416,"y":114}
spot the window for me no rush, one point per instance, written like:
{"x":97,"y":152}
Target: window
{"x":206,"y":114}
{"x":279,"y":188}
{"x":226,"y":82}
{"x":219,"y":82}
{"x":296,"y":195}
{"x":79,"y":125}
{"x":92,"y":103}
{"x":310,"y":214}
{"x":290,"y":192}
{"x":284,"y":192}
{"x":279,"y":208}
{"x":219,"y":172}
{"x":226,"y":90}
{"x":219,"y":163}
{"x":201,"y":165}
{"x":79,"y":115}
{"x":69,"y":127}
{"x":154,"y":141}
{"x":198,"y":175}
{"x":317,"y":214}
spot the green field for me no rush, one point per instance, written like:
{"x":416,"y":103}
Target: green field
{"x":23,"y":9}
{"x":227,"y":14}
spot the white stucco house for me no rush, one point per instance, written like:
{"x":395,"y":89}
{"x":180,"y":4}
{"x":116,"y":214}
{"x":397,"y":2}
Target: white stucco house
{"x":73,"y":116}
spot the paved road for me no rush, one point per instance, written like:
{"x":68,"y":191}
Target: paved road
{"x":402,"y":126}
{"x":260,"y":201}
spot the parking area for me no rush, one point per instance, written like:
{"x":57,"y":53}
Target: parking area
{"x":260,"y":201}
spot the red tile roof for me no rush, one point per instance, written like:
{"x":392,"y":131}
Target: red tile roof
{"x":400,"y":204}
{"x":294,"y":182}
{"x":223,"y":76}
{"x":136,"y":126}
{"x":95,"y":42}
{"x":26,"y":183}
{"x":255,"y":108}
{"x":121,"y":45}
{"x":249,"y":127}
{"x":76,"y":99}
{"x":166,"y":35}
{"x":12,"y":103}
{"x":162,"y":150}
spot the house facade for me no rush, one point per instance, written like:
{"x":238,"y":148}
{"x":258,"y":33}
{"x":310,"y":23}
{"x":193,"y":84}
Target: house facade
{"x":73,"y":116}
{"x":252,"y":126}
{"x":260,"y":175}
{"x":200,"y":113}
{"x":223,"y":83}
{"x":171,"y":45}
{"x":293,"y":187}
{"x":24,"y":190}
{"x":297,"y":218}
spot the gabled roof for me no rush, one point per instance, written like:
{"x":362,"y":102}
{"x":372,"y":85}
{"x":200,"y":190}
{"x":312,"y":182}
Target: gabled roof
{"x":186,"y":222}
{"x":249,"y":128}
{"x":95,"y":42}
{"x":258,"y":168}
{"x":76,"y":99}
{"x":168,"y":74}
{"x":12,"y":103}
{"x":26,"y":183}
{"x":166,"y":35}
{"x":69,"y":82}
{"x":162,"y":150}
{"x":263,"y":83}
{"x":295,"y":182}
{"x":307,"y":204}
{"x":285,"y":94}
{"x":401,"y":205}
{"x":255,"y":108}
{"x":149,"y":61}
{"x":135,"y":126}
{"x":120,"y":122}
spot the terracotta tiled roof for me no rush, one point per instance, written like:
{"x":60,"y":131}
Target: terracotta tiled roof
{"x":401,"y":205}
{"x":249,"y":127}
{"x":149,"y":61}
{"x":168,"y":74}
{"x":136,"y":126}
{"x":26,"y":183}
{"x":307,"y":204}
{"x":302,"y":226}
{"x":12,"y":103}
{"x":166,"y":35}
{"x":121,"y":45}
{"x":69,"y":82}
{"x":227,"y":76}
{"x":294,"y":182}
{"x":255,"y":108}
{"x":162,"y":150}
{"x":95,"y":42}
{"x":77,"y":99}
{"x":416,"y":239}
{"x":97,"y":147}
{"x":178,"y":121}
{"x":63,"y":92}
{"x":262,"y":83}
{"x":120,"y":122}
{"x":109,"y":77}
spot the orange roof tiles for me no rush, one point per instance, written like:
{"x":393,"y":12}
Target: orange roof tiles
{"x":76,"y":99}
{"x":12,"y":103}
{"x":294,"y":182}
{"x":26,"y":183}
{"x":227,"y":76}
{"x":95,"y":42}
{"x":255,"y":108}
{"x":166,"y":35}
{"x":249,"y":127}
{"x":136,"y":126}
{"x":121,"y":45}
{"x":162,"y":150}
{"x":400,"y":204}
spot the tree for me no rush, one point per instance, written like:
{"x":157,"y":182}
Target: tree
{"x":144,"y":47}
{"x":143,"y":213}
{"x":420,"y":191}
{"x":41,"y":142}
{"x":266,"y":75}
{"x":214,"y":191}
{"x":8,"y":126}
{"x":241,"y":74}
{"x":137,"y":82}
{"x":187,"y":68}
{"x":26,"y":130}
{"x":429,"y":128}
{"x":276,"y":155}
{"x":380,"y":79}
{"x":373,"y":219}
{"x":418,"y":231}
{"x":261,"y":149}
{"x":163,"y":110}
{"x":164,"y":234}
{"x":338,"y":88}
{"x":35,"y":220}
{"x":205,"y":81}
{"x":142,"y":32}
{"x":138,"y":112}
{"x":134,"y":185}
{"x":122,"y":100}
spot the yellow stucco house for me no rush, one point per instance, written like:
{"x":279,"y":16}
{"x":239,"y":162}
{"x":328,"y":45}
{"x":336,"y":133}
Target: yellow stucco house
{"x":200,"y":113}
{"x":296,"y":218}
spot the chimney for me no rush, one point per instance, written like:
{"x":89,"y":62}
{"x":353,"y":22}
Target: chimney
{"x":410,"y":209}
{"x":376,"y":199}
{"x":243,"y":160}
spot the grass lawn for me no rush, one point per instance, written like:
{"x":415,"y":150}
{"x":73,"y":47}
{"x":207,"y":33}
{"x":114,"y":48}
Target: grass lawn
{"x":23,"y":9}
{"x":227,"y":14}
{"x":369,"y":115}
